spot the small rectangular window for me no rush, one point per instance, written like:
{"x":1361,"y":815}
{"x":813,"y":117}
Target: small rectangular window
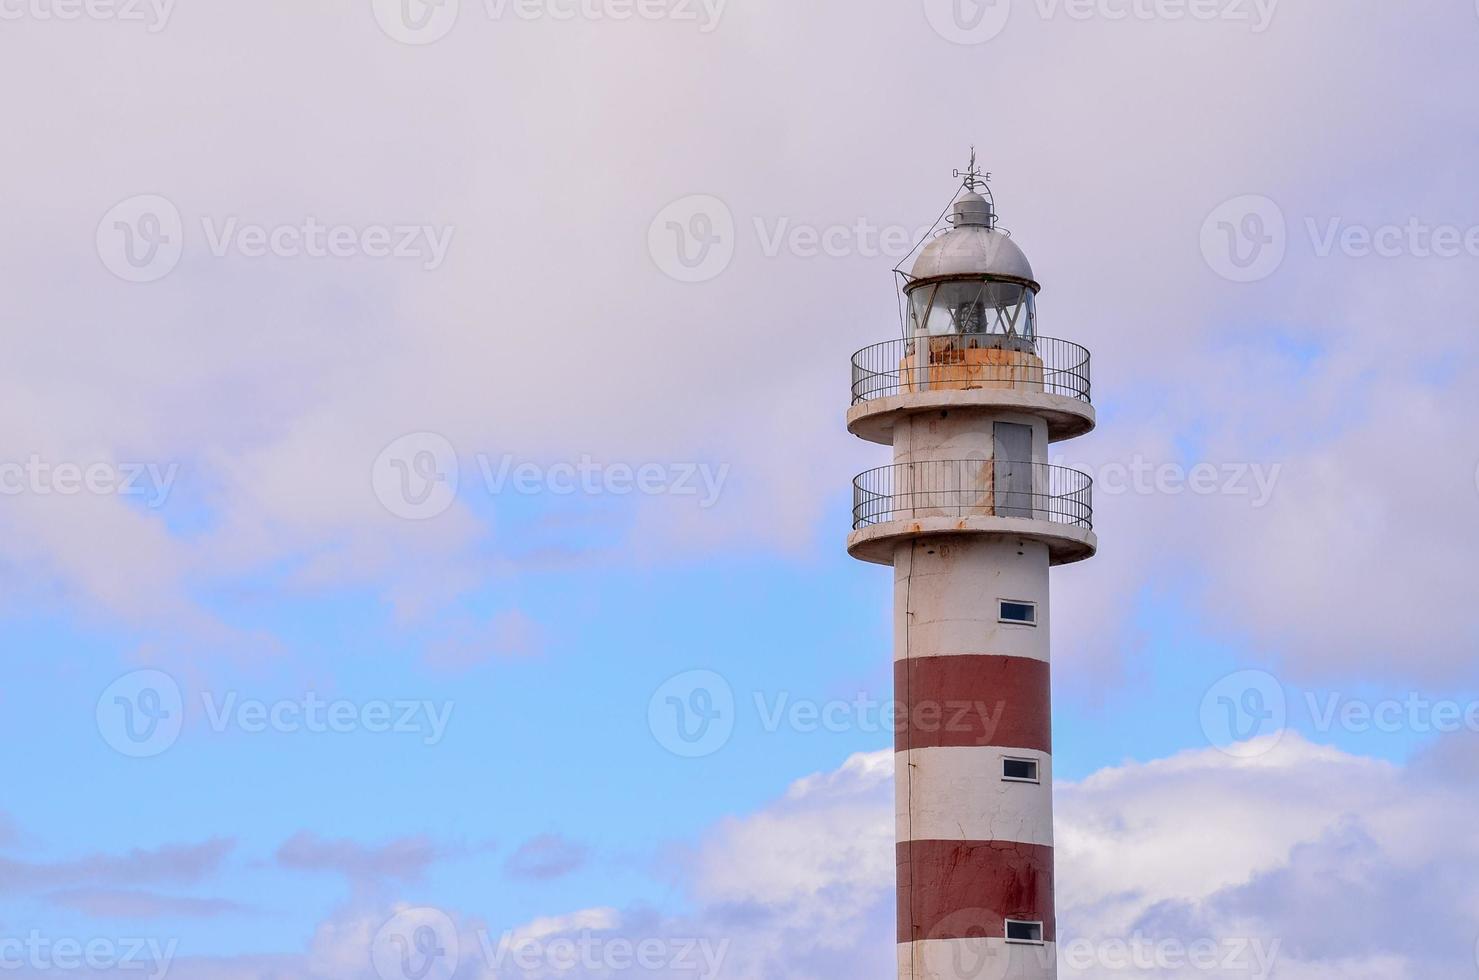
{"x":1019,"y":612}
{"x":1024,"y":932}
{"x":1020,"y":770}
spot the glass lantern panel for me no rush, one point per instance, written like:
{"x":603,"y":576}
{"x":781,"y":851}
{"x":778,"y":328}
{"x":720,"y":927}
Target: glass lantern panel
{"x":974,"y":308}
{"x":919,"y":306}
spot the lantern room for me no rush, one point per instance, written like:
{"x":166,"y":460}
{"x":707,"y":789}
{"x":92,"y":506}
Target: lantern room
{"x":972,"y":280}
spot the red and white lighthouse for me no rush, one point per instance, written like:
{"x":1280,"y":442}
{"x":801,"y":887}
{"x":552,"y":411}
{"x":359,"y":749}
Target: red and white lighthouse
{"x":972,"y":516}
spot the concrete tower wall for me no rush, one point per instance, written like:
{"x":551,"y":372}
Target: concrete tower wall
{"x":974,"y":847}
{"x":972,"y":516}
{"x":961,"y":434}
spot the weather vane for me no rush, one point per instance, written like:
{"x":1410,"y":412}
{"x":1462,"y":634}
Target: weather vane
{"x":973,"y":177}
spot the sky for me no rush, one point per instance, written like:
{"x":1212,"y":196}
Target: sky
{"x":424,"y":480}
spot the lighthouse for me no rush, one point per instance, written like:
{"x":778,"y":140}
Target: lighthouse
{"x":972,"y":517}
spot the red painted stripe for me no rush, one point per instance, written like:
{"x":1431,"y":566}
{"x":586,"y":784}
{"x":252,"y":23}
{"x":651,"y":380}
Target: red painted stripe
{"x":968,"y":889}
{"x":973,"y":699}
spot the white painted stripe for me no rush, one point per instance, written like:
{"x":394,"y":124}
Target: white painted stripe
{"x":977,"y":959}
{"x":954,"y":599}
{"x":959,"y":794}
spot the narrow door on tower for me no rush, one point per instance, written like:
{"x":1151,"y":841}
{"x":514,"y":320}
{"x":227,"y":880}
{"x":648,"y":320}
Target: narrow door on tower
{"x":1013,"y":469}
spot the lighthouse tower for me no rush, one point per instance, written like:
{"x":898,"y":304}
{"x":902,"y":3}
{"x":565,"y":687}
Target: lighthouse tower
{"x":972,"y":516}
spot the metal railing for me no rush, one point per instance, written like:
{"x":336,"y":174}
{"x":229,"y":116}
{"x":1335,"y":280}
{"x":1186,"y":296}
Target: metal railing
{"x":958,"y":488}
{"x":962,"y":362}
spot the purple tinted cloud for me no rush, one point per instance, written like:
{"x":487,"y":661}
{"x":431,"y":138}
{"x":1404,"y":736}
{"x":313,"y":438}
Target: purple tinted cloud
{"x":403,"y":859}
{"x":173,"y":863}
{"x":546,"y":857}
{"x":110,"y":903}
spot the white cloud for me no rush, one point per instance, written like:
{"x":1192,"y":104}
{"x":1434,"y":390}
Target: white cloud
{"x":550,"y":333}
{"x":1322,"y":863}
{"x":1334,"y":865}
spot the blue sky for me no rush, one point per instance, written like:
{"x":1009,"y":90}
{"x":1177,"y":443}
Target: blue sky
{"x":663,"y":240}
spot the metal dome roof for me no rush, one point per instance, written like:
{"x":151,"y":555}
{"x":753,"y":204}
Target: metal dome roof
{"x":972,"y":250}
